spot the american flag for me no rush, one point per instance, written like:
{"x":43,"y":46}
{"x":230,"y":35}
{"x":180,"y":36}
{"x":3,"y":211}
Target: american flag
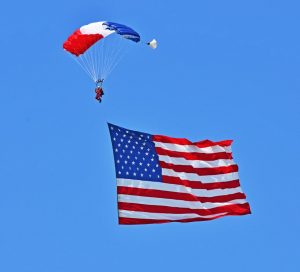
{"x":162,"y":179}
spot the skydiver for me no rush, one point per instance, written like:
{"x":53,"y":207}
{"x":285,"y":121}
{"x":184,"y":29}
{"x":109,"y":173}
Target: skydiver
{"x":99,"y":90}
{"x":99,"y":93}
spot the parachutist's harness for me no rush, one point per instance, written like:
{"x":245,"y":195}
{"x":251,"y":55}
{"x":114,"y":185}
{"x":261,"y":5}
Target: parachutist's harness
{"x":99,"y":82}
{"x":99,"y":90}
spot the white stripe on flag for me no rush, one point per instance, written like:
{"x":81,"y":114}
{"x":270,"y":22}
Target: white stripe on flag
{"x":142,"y":184}
{"x":193,"y":148}
{"x":163,"y":216}
{"x":196,"y":163}
{"x":204,"y":179}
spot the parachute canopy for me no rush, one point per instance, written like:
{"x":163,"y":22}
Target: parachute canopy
{"x":97,"y":51}
{"x":86,"y":36}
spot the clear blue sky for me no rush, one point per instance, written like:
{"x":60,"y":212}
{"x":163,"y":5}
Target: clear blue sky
{"x":223,"y":70}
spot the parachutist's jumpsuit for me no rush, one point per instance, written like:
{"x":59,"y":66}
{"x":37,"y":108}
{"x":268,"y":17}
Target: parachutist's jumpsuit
{"x":99,"y":93}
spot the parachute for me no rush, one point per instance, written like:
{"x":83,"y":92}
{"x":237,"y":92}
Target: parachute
{"x":98,"y":47}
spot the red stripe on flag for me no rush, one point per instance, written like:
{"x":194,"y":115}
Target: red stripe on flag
{"x":194,"y":155}
{"x":200,"y":171}
{"x":138,"y":221}
{"x":230,"y":209}
{"x":183,"y":141}
{"x":178,"y":196}
{"x":200,"y":185}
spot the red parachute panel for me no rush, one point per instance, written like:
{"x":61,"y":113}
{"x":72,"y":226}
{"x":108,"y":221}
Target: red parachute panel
{"x":78,"y":43}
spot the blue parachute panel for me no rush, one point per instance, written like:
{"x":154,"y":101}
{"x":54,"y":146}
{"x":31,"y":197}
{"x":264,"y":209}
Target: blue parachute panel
{"x":123,"y":30}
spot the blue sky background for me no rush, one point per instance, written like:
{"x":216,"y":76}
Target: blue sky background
{"x":223,"y":70}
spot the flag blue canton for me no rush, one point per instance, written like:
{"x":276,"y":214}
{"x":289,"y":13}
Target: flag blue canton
{"x":134,"y":154}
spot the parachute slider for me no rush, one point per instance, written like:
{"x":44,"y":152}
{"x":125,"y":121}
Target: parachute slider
{"x":152,"y":44}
